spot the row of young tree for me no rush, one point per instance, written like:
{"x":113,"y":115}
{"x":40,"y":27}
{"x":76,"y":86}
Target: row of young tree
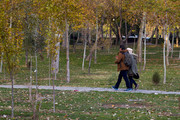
{"x":29,"y":26}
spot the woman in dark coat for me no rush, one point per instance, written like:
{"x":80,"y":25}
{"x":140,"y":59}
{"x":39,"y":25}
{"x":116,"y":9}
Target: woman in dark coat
{"x":133,"y":71}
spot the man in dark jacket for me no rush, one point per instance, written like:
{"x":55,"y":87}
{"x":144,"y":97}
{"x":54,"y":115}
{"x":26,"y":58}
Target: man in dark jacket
{"x":122,"y":68}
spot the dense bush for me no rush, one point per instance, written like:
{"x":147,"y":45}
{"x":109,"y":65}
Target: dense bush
{"x":156,"y":78}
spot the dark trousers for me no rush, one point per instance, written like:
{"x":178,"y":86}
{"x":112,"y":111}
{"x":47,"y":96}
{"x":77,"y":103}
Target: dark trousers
{"x":123,"y":73}
{"x":132,"y":82}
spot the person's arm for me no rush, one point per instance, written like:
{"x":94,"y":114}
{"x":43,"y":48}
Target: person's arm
{"x":118,"y":58}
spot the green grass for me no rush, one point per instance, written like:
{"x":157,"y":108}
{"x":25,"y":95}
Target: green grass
{"x":104,"y":73}
{"x":92,"y":105}
{"x":72,"y":105}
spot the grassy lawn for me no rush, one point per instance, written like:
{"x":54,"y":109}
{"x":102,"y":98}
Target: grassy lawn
{"x":104,"y":73}
{"x":71,"y":105}
{"x":96,"y":105}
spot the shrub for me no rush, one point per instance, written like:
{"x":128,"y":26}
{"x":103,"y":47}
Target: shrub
{"x":156,"y":78}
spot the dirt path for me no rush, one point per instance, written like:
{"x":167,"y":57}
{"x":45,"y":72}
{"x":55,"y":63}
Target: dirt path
{"x":88,"y":89}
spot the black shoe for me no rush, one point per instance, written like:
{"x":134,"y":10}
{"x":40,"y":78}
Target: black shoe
{"x":128,"y":89}
{"x":114,"y":88}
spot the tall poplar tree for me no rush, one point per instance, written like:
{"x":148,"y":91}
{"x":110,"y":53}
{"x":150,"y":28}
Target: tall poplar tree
{"x":11,"y":39}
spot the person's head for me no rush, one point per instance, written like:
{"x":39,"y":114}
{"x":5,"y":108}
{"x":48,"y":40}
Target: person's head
{"x":122,"y":47}
{"x":130,"y":50}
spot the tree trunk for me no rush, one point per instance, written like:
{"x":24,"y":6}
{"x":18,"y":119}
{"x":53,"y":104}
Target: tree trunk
{"x":168,"y":49}
{"x":144,"y":47}
{"x":67,"y":51}
{"x":35,"y":43}
{"x":165,"y":39}
{"x":89,"y":63}
{"x":55,"y":61}
{"x":36,"y":78}
{"x":157,"y":35}
{"x":164,"y":55}
{"x":74,"y":46}
{"x":64,"y":41}
{"x":134,"y":46}
{"x":11,"y":77}
{"x":164,"y":60}
{"x":117,"y":39}
{"x":4,"y":73}
{"x":59,"y":54}
{"x":54,"y":94}
{"x":177,"y":39}
{"x":95,"y":56}
{"x":30,"y":84}
{"x":126,"y":33}
{"x":110,"y":35}
{"x":27,"y":58}
{"x":172,"y":45}
{"x":139,"y":45}
{"x":1,"y":63}
{"x":115,"y":30}
{"x":129,"y":33}
{"x":85,"y":44}
{"x":153,"y":32}
{"x":89,"y":36}
{"x":49,"y":71}
{"x":91,"y":52}
{"x":120,"y":24}
{"x":102,"y":23}
{"x":12,"y":92}
{"x":48,"y":36}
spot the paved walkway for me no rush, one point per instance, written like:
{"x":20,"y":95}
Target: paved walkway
{"x":88,"y":89}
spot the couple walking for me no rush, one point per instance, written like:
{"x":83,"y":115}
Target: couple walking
{"x":126,"y":72}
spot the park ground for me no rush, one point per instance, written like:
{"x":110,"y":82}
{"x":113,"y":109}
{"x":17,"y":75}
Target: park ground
{"x":110,"y":105}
